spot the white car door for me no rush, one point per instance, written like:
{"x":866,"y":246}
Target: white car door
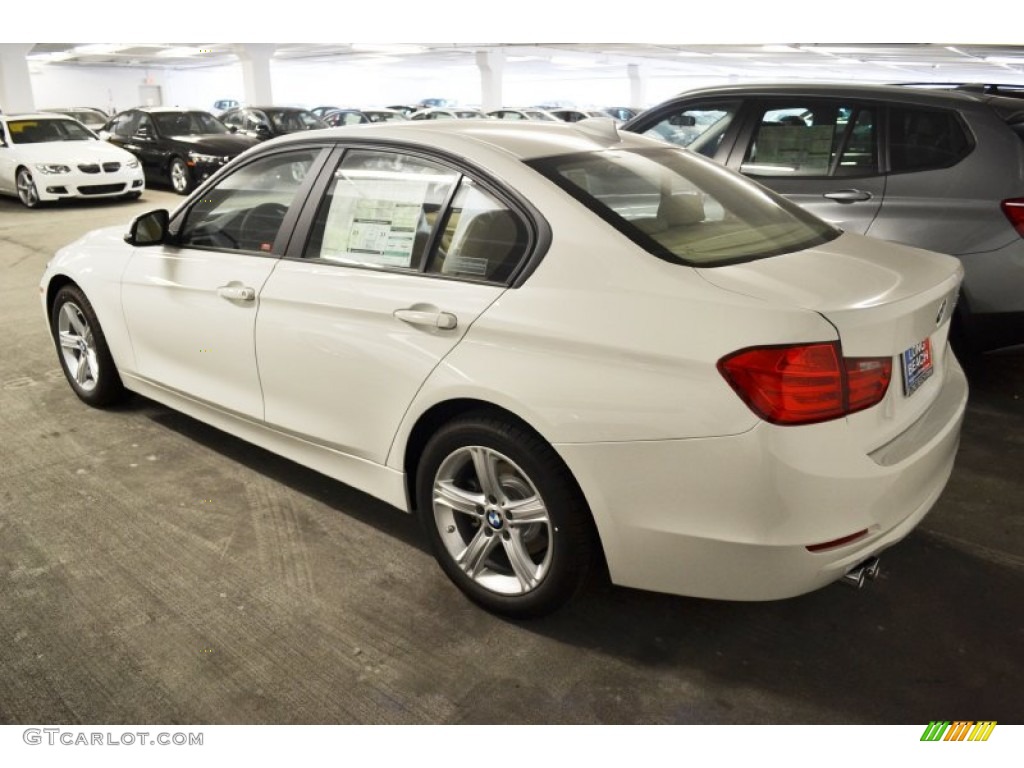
{"x":391,"y":278}
{"x":191,"y":306}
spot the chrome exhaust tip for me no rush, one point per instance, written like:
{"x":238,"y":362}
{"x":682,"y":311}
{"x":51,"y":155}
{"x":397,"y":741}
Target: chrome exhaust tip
{"x":859,"y":574}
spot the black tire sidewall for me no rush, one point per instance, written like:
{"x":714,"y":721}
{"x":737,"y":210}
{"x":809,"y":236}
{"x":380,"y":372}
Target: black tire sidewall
{"x":109,"y":388}
{"x":572,"y":546}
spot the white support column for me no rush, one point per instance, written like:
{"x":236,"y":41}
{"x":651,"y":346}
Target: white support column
{"x":490,"y":64}
{"x":15,"y":83}
{"x":255,"y":58}
{"x":637,"y":86}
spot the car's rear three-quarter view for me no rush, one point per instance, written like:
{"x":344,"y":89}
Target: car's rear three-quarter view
{"x":553,"y":343}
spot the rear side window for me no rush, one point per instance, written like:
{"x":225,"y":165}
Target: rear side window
{"x":813,"y":139}
{"x":924,"y":139}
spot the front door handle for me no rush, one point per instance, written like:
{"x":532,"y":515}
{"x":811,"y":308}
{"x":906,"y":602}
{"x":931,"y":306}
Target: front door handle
{"x":848,"y":195}
{"x":236,"y":292}
{"x":444,"y":321}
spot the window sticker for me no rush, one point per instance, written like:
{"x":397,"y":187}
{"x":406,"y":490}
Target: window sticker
{"x":374,"y":221}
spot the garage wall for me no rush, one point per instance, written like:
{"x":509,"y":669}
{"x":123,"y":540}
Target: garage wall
{"x":118,"y":88}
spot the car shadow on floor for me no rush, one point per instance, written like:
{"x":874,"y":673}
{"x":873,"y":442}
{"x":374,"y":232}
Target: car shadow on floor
{"x":937,"y":636}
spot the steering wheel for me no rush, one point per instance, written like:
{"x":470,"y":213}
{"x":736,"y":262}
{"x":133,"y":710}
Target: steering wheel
{"x":258,"y":226}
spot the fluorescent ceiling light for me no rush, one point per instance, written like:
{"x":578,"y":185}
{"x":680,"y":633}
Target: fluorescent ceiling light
{"x":181,"y":52}
{"x":97,"y":49}
{"x":779,"y":49}
{"x":394,"y":49}
{"x":1004,"y":59}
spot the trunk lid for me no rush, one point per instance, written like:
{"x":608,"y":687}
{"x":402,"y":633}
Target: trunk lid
{"x":884,"y":300}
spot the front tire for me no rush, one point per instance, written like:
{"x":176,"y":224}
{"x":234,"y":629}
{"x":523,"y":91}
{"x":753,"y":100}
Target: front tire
{"x":505,"y":519}
{"x":82,"y":349}
{"x":27,"y":192}
{"x":181,"y":176}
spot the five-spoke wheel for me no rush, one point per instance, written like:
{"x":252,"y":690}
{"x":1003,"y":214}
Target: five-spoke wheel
{"x":506,"y":521}
{"x":82,"y":349}
{"x":181,"y":176}
{"x":27,"y":192}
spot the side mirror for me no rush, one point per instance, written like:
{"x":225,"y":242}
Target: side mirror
{"x":149,"y":229}
{"x":263,"y":129}
{"x":142,"y":132}
{"x":687,"y":121}
{"x":233,"y":128}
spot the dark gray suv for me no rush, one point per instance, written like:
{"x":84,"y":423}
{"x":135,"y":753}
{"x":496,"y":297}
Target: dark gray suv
{"x":942,"y":170}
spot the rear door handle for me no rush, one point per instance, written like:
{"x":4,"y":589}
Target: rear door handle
{"x":848,"y":195}
{"x":444,"y":321}
{"x":236,"y":292}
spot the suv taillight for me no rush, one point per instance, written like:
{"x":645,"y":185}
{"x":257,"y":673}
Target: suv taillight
{"x":805,"y":383}
{"x":1014,"y":210}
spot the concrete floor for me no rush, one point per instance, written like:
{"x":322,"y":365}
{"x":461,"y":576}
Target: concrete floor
{"x":154,"y":570}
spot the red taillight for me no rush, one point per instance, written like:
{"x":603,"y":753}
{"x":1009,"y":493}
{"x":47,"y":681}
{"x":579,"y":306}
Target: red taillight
{"x":1014,"y":210}
{"x":805,"y":383}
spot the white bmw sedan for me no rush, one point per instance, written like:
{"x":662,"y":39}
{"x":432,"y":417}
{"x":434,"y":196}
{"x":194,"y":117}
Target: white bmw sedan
{"x":553,"y":343}
{"x":52,"y":157}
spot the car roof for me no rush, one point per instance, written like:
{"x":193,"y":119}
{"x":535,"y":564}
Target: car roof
{"x":156,"y":110}
{"x":37,"y":116}
{"x":525,"y":141}
{"x":850,"y":90}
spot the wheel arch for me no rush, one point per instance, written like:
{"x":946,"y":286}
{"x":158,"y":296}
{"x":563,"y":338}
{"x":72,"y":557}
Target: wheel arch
{"x":441,"y":413}
{"x":57,"y":282}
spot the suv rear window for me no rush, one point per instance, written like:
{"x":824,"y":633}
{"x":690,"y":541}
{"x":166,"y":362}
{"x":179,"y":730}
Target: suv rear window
{"x":683,"y":208}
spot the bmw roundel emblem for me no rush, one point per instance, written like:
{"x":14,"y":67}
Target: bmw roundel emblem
{"x":494,"y":519}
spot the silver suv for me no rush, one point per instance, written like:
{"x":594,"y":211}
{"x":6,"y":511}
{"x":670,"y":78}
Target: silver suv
{"x":942,"y":170}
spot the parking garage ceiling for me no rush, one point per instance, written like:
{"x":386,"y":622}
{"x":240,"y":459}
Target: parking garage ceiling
{"x":931,"y":62}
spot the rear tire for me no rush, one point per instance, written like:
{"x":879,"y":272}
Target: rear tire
{"x":82,"y":349}
{"x":506,"y":521}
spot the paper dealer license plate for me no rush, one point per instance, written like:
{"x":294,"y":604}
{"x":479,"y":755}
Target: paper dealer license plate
{"x":917,"y":366}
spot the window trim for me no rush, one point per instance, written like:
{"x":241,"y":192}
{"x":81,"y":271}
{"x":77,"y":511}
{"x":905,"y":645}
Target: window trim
{"x":537,"y":228}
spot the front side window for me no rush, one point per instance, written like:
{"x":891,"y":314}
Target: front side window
{"x":685,"y":209}
{"x":700,"y":127}
{"x":124,"y":126}
{"x":244,"y":212}
{"x":813,"y":139}
{"x":923,"y":139}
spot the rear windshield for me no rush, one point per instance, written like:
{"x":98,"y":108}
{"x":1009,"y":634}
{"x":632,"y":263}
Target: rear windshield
{"x":684,"y":208}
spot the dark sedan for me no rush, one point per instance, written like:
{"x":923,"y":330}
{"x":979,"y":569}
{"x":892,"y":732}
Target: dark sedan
{"x":181,"y":146}
{"x":262,"y":123}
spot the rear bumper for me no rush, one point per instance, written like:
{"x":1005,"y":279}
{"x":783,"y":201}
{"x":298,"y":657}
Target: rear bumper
{"x":732,"y":517}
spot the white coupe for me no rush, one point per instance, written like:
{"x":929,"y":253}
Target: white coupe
{"x":554,"y":343}
{"x":52,"y":157}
